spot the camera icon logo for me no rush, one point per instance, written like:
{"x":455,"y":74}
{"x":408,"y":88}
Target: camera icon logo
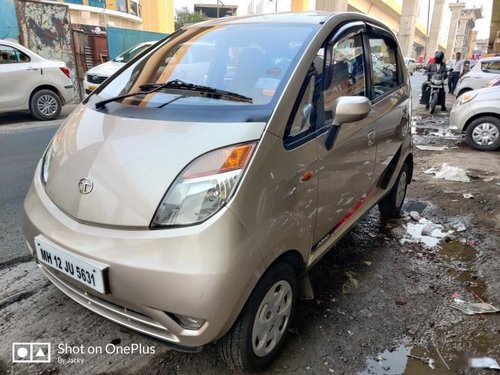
{"x":30,"y":352}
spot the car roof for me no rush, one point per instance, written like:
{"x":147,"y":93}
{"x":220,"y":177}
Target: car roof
{"x":312,"y":17}
{"x":9,"y":43}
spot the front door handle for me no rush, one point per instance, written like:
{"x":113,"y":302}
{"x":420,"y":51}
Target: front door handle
{"x":29,"y":69}
{"x":371,"y":138}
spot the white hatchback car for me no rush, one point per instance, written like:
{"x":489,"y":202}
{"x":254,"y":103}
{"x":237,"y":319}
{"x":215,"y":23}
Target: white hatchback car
{"x":478,"y":77}
{"x":30,"y":82}
{"x":99,"y":73}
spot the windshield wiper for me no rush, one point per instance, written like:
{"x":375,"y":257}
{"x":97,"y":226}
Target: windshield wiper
{"x":177,"y":84}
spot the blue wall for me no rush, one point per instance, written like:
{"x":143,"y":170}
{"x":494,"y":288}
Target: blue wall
{"x":8,"y":23}
{"x":121,"y":39}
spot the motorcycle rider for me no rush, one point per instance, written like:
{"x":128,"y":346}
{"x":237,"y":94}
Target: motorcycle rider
{"x":436,"y":67}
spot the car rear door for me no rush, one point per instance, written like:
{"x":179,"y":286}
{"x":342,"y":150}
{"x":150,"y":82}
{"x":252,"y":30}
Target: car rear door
{"x":17,"y":74}
{"x":345,"y":170}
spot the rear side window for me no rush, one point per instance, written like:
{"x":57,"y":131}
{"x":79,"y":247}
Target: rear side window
{"x":491,"y":67}
{"x":9,"y":55}
{"x":385,"y":74}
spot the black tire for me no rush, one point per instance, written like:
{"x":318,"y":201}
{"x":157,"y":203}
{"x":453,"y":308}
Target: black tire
{"x":236,"y":347}
{"x":433,"y":103}
{"x":487,"y":124}
{"x":45,"y":105}
{"x":390,"y":205}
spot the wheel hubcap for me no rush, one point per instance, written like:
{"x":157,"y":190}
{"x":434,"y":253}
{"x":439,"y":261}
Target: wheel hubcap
{"x":400,"y":194}
{"x":485,"y":134}
{"x":47,"y":105}
{"x":272,"y":318}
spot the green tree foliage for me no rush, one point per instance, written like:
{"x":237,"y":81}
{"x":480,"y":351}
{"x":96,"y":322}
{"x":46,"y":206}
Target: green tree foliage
{"x":185,"y":17}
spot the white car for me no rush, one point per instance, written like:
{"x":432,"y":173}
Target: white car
{"x":411,"y":65}
{"x":478,"y":77}
{"x":98,"y":74}
{"x":30,"y":82}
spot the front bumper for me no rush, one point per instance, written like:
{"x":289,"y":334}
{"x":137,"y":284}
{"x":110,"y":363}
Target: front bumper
{"x":205,"y":271}
{"x":458,"y":118}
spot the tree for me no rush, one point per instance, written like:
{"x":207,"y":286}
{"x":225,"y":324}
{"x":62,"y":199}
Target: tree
{"x":185,"y":17}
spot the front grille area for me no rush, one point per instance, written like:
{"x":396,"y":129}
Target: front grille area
{"x":92,"y":78}
{"x":118,"y":314}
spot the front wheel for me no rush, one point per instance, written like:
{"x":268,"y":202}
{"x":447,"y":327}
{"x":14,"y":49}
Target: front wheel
{"x":390,"y":206}
{"x":484,"y":133}
{"x":45,"y":105}
{"x":258,"y":335}
{"x":433,"y":102}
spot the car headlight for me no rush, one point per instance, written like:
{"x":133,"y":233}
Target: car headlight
{"x":465,"y":98}
{"x":46,"y":159}
{"x":203,"y":187}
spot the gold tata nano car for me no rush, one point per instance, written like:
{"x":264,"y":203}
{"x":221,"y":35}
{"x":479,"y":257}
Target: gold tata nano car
{"x":189,"y":195}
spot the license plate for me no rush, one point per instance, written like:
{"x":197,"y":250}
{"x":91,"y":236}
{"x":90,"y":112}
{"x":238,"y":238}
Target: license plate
{"x":89,"y":273}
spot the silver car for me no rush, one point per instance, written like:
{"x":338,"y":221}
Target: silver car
{"x":188,"y":196}
{"x":476,"y":114}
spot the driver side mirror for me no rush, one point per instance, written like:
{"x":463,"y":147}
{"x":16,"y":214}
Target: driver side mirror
{"x":347,"y":109}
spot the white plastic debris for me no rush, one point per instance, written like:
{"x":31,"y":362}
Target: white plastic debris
{"x":484,"y":362}
{"x":431,"y":148}
{"x":474,"y":308}
{"x":459,"y":227}
{"x":451,"y":173}
{"x":468,"y":196}
{"x":415,"y":215}
{"x":433,"y":233}
{"x":431,"y":170}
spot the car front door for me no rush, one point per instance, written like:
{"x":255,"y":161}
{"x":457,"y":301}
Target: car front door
{"x":345,"y":170}
{"x":17,"y":74}
{"x":389,"y":94}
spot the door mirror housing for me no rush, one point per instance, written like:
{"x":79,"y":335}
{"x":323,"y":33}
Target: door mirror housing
{"x":347,"y":109}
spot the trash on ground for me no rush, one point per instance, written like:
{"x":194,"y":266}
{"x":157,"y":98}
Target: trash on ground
{"x":432,"y":235}
{"x":459,"y":227}
{"x":451,"y":173}
{"x":431,"y":170}
{"x":484,"y":362}
{"x":474,"y":308}
{"x":433,"y":230}
{"x":429,"y":361}
{"x":415,"y":215}
{"x":350,"y":284}
{"x":468,"y":196}
{"x":431,"y":148}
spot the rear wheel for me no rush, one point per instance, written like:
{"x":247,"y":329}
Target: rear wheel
{"x":45,"y":105}
{"x":258,"y":335}
{"x":484,"y":133}
{"x":390,"y":206}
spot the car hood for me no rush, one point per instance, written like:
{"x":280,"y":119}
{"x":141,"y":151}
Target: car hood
{"x":486,"y":93}
{"x":107,"y":69}
{"x":131,"y":162}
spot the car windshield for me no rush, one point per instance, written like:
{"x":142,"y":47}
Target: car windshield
{"x":251,"y":60}
{"x":129,"y":54}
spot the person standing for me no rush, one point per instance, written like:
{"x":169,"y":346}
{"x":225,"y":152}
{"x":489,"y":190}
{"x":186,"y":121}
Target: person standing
{"x":456,"y":70}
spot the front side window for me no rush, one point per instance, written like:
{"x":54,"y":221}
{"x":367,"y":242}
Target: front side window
{"x":238,"y":58}
{"x":348,"y":72}
{"x":385,"y":75}
{"x":9,"y":55}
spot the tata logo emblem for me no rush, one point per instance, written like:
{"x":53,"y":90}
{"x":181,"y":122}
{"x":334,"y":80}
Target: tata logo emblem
{"x":85,"y":185}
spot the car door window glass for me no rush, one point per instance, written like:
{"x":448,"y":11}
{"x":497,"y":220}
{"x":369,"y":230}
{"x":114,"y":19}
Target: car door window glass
{"x":348,"y":72}
{"x":491,"y":67}
{"x":385,"y":76}
{"x":7,"y":55}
